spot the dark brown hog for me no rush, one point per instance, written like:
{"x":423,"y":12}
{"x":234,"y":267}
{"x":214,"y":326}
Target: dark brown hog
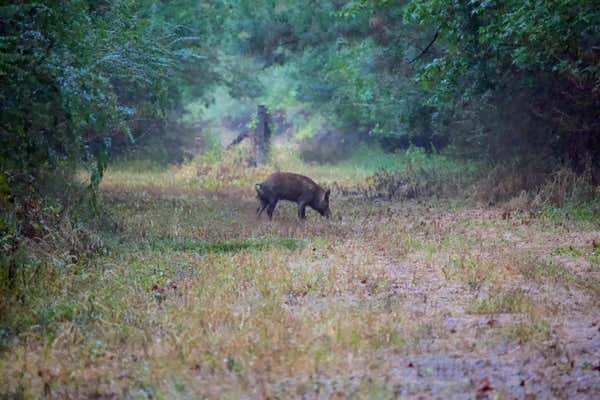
{"x":292,"y":187}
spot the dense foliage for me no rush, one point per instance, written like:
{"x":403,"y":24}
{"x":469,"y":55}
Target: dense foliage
{"x":78,"y":76}
{"x":526,"y":73}
{"x":496,"y":78}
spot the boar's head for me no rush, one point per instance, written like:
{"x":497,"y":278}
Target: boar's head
{"x":322,"y":203}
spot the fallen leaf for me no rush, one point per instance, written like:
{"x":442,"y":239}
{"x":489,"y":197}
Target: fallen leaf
{"x":484,"y":385}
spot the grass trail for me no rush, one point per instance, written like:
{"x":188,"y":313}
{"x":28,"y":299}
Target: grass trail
{"x":198,"y":299}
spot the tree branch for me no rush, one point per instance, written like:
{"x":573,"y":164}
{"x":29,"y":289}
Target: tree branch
{"x":437,"y":33}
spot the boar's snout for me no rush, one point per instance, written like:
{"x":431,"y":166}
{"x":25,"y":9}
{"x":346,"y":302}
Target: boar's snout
{"x":324,"y":204}
{"x":325,"y":212}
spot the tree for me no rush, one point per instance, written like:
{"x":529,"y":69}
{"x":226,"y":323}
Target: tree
{"x":78,"y":75}
{"x":495,"y":78}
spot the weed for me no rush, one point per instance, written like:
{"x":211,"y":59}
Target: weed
{"x":594,"y":257}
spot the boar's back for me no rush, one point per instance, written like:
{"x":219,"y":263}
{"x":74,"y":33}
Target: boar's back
{"x":289,"y":186}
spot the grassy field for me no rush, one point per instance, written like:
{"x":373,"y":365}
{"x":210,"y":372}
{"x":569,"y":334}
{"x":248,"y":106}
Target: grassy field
{"x":189,"y":296}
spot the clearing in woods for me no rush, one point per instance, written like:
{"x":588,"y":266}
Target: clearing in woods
{"x":199,"y":299}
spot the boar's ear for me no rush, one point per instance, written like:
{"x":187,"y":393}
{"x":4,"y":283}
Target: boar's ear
{"x":327,"y":193}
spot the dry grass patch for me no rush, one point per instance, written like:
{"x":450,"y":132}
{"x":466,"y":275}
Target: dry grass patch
{"x":474,"y":270}
{"x":533,"y":328}
{"x":545,"y":271}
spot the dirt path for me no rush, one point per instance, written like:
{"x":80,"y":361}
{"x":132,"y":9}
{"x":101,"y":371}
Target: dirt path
{"x":472,"y":353}
{"x":500,"y":328}
{"x":499,"y":308}
{"x":503,"y":307}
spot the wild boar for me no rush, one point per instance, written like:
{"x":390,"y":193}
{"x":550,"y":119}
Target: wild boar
{"x":292,"y":187}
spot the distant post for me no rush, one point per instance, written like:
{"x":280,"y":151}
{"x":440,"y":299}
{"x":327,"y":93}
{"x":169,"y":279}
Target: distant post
{"x":262,"y":135}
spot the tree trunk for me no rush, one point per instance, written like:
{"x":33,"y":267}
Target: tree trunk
{"x":262,"y":135}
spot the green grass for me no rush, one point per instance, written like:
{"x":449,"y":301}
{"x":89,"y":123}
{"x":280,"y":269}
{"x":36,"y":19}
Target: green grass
{"x":570,"y":251}
{"x":225,"y":246}
{"x":581,"y":212}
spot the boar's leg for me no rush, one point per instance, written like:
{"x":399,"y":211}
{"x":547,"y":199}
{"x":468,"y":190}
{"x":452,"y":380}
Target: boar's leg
{"x":302,"y":210}
{"x":261,"y":207}
{"x":271,"y":208}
